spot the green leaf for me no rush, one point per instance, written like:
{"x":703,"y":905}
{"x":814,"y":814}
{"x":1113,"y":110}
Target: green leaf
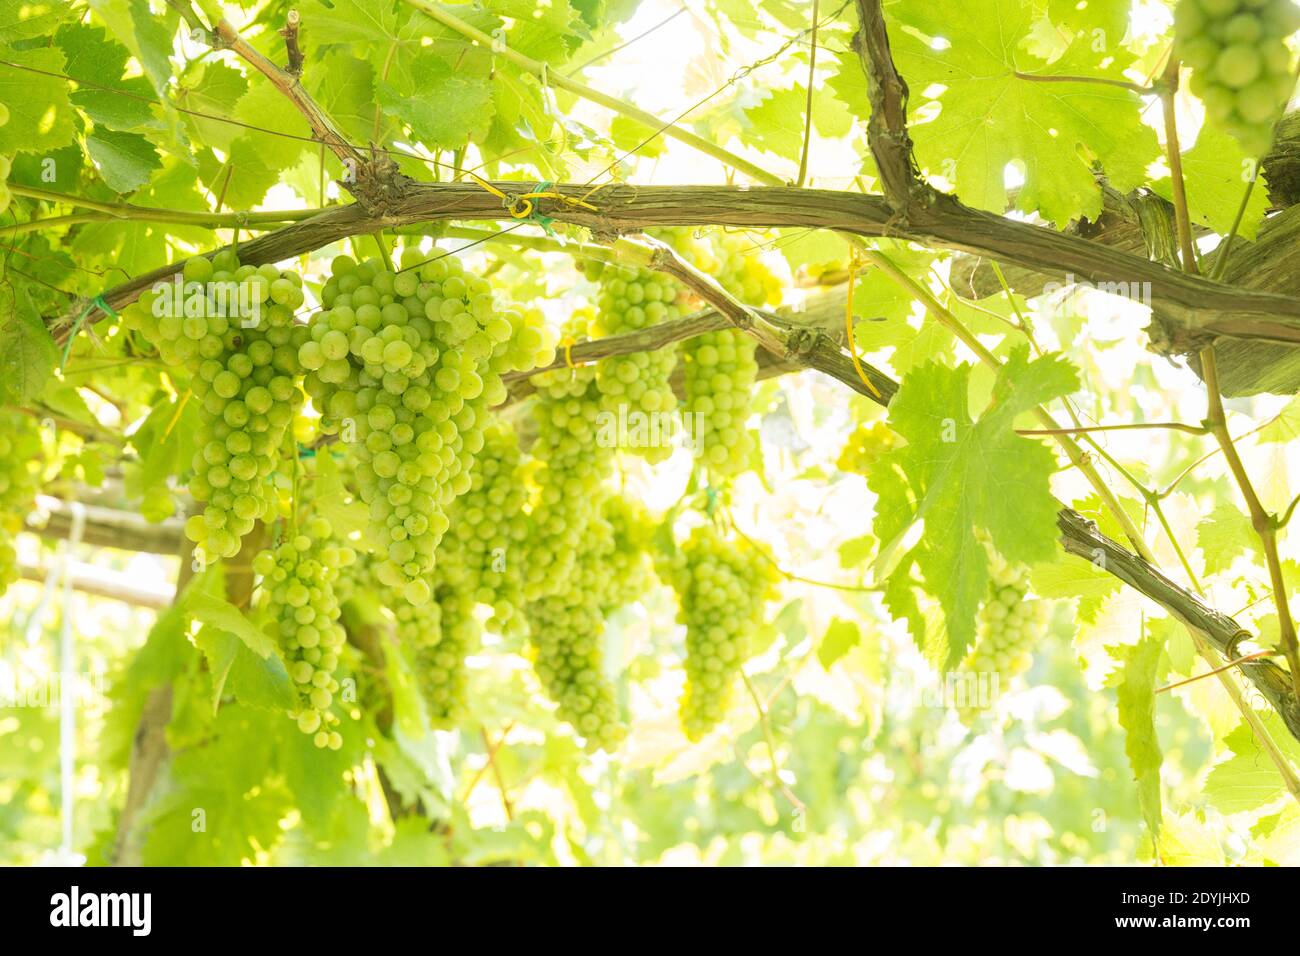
{"x":956,"y":476}
{"x":1249,"y":780}
{"x":22,"y":19}
{"x":1216,"y":172}
{"x":221,"y":614}
{"x":1137,"y":713}
{"x":777,"y":123}
{"x":214,"y":89}
{"x":962,"y":58}
{"x":253,"y":680}
{"x":91,"y":55}
{"x":40,"y":113}
{"x":1071,"y":577}
{"x":27,"y":350}
{"x":331,"y":496}
{"x":1224,"y":535}
{"x":125,"y":160}
{"x":840,"y":638}
{"x":444,"y":109}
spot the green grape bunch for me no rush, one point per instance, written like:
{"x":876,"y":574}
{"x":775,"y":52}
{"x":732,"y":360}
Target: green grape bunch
{"x":440,"y":653}
{"x":639,"y":383}
{"x":484,"y":552}
{"x":231,"y":327}
{"x":722,"y":587}
{"x":567,"y":628}
{"x":1241,"y":67}
{"x":720,"y":367}
{"x":1010,"y":622}
{"x":405,"y":367}
{"x":570,"y":470}
{"x":302,"y":612}
{"x":20,"y":455}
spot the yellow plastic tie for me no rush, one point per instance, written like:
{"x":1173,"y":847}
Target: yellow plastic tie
{"x":848,"y":328}
{"x":568,"y":344}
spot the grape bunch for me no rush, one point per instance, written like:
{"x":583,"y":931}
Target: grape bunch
{"x":484,"y":551}
{"x":721,"y":586}
{"x":865,"y":444}
{"x":1241,"y":67}
{"x":567,"y":630}
{"x":303,"y":617}
{"x":1009,"y":623}
{"x":720,"y":367}
{"x":20,"y":451}
{"x":638,"y":383}
{"x":231,"y":327}
{"x":629,"y":572}
{"x":439,"y":655}
{"x":571,"y":468}
{"x":405,"y":366}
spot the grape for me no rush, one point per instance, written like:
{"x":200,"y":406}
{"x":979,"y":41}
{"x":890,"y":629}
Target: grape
{"x":20,"y":454}
{"x":865,"y":444}
{"x":633,"y":299}
{"x":567,"y":633}
{"x":573,"y":468}
{"x":1240,"y":63}
{"x":241,"y":351}
{"x":1009,"y":624}
{"x":405,"y":366}
{"x":303,"y":616}
{"x":720,"y":368}
{"x":440,"y":656}
{"x":721,"y":586}
{"x":484,"y":552}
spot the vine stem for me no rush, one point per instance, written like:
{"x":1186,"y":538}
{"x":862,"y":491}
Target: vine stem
{"x":808,"y":105}
{"x":771,"y":746}
{"x":537,"y":69}
{"x":1216,"y":419}
{"x":129,"y":211}
{"x":1131,"y":426}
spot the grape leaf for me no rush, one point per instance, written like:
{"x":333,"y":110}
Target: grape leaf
{"x":22,"y":19}
{"x":840,"y":638}
{"x":444,"y":109}
{"x":1137,"y":715}
{"x":91,"y":55}
{"x":27,"y":350}
{"x":251,"y":679}
{"x":1216,"y":172}
{"x":215,"y":90}
{"x":40,"y":113}
{"x":777,"y":123}
{"x":1249,"y":780}
{"x":1222,"y":536}
{"x":988,"y":117}
{"x":218,"y":613}
{"x":956,"y":476}
{"x":125,"y":160}
{"x":1072,"y":578}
